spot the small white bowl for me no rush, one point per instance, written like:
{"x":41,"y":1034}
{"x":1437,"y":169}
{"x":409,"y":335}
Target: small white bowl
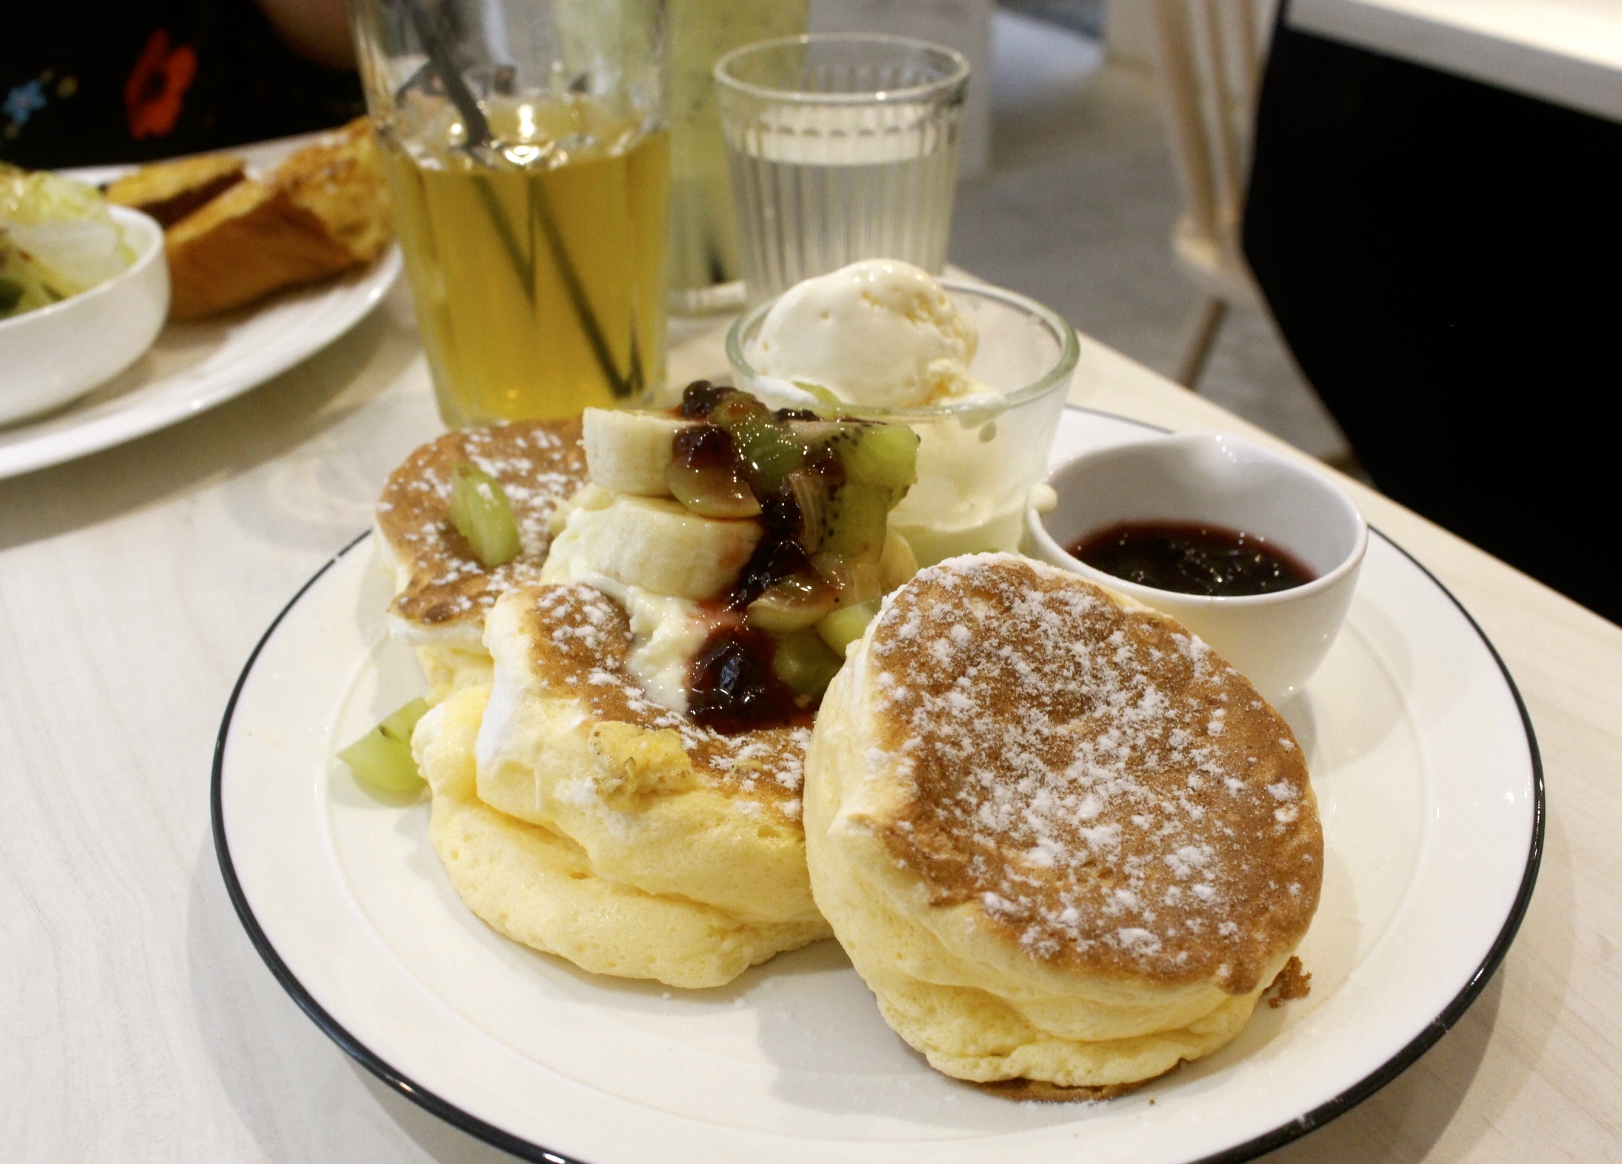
{"x":1275,"y":640}
{"x":52,"y":354}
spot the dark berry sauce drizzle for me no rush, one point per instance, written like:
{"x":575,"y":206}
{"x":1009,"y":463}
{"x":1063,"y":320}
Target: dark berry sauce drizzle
{"x":731,"y":686}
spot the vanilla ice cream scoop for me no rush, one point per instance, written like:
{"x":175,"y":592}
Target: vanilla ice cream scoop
{"x":879,"y":333}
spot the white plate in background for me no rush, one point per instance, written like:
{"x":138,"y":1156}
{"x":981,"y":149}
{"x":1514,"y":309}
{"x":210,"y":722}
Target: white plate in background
{"x":195,"y":366}
{"x":1432,"y":803}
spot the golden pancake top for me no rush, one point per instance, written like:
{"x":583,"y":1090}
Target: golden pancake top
{"x":581,"y":640}
{"x":1114,"y":796}
{"x":539,"y":463}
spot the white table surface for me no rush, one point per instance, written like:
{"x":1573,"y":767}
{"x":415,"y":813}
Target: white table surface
{"x":1565,"y":51}
{"x":138,"y":1023}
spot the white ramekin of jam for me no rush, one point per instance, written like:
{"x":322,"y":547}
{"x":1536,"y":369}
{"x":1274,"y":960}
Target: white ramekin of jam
{"x":1253,"y":552}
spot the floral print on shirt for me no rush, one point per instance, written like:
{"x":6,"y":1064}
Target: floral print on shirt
{"x":156,"y":89}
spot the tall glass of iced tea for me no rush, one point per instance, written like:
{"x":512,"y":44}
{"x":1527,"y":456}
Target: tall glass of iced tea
{"x":527,"y":155}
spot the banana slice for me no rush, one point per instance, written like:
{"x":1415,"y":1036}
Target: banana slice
{"x":897,"y":564}
{"x":655,"y":544}
{"x":628,"y":452}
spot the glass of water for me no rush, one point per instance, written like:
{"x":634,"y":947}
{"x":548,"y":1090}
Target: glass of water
{"x":842,"y":147}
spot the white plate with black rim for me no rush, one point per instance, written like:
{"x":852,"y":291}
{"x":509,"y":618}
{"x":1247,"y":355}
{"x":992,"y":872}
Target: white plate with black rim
{"x":1431,"y":796}
{"x":192,"y":367}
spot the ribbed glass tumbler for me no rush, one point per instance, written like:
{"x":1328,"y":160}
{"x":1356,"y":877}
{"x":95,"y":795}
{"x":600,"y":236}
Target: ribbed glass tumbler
{"x":841,"y":147}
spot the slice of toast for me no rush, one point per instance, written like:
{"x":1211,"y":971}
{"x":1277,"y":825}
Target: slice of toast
{"x":342,"y":184}
{"x":248,"y":242}
{"x":169,"y":191}
{"x":323,"y":210}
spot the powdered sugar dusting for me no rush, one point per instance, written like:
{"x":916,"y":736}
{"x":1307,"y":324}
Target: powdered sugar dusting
{"x":1102,"y":785}
{"x":581,"y":641}
{"x":539,"y":465}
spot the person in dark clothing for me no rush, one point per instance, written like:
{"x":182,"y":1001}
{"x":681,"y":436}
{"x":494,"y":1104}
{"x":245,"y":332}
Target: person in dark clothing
{"x":1444,"y":259}
{"x":98,"y":81}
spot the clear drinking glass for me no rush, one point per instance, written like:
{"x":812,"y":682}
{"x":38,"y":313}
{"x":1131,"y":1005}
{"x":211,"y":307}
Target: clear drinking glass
{"x":527,"y":156}
{"x":705,"y":271}
{"x":842,"y":147}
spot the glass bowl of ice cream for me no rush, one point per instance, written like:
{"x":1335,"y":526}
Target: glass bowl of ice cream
{"x":978,"y":372}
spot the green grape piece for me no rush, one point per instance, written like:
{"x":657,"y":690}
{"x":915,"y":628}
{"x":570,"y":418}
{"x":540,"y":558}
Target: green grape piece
{"x":736,"y":407}
{"x":481,"y":514}
{"x":845,"y":625}
{"x":382,"y":764}
{"x":805,"y":663}
{"x":791,"y":604}
{"x":711,"y":490}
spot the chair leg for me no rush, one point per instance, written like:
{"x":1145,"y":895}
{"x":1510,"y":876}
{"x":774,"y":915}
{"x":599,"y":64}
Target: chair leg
{"x":1199,"y":337}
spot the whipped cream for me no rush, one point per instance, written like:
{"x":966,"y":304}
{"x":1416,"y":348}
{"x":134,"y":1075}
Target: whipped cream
{"x":668,"y":632}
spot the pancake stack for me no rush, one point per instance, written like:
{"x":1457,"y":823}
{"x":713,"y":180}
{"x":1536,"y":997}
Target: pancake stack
{"x":1065,"y":845}
{"x":572,"y":813}
{"x":577,"y":816}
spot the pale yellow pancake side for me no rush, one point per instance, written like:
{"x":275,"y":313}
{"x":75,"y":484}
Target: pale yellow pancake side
{"x":570,"y":743}
{"x":1058,"y":839}
{"x":539,"y":888}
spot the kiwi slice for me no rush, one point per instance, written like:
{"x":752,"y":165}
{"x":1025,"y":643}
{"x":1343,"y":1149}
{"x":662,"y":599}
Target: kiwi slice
{"x":770,"y":453}
{"x":766,"y":451}
{"x":481,"y":514}
{"x":872,"y":467}
{"x":882,"y":454}
{"x":855,"y":521}
{"x":809,"y":490}
{"x":822,"y":434}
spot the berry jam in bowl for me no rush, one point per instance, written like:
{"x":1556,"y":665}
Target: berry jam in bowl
{"x":1256,"y":554}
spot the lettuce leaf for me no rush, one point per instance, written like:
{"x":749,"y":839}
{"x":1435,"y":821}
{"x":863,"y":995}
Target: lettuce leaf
{"x":58,"y":237}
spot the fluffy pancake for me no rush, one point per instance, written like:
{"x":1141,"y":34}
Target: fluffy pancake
{"x":605,"y":827}
{"x":1059,"y":838}
{"x":537,"y":887}
{"x":442,"y":590}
